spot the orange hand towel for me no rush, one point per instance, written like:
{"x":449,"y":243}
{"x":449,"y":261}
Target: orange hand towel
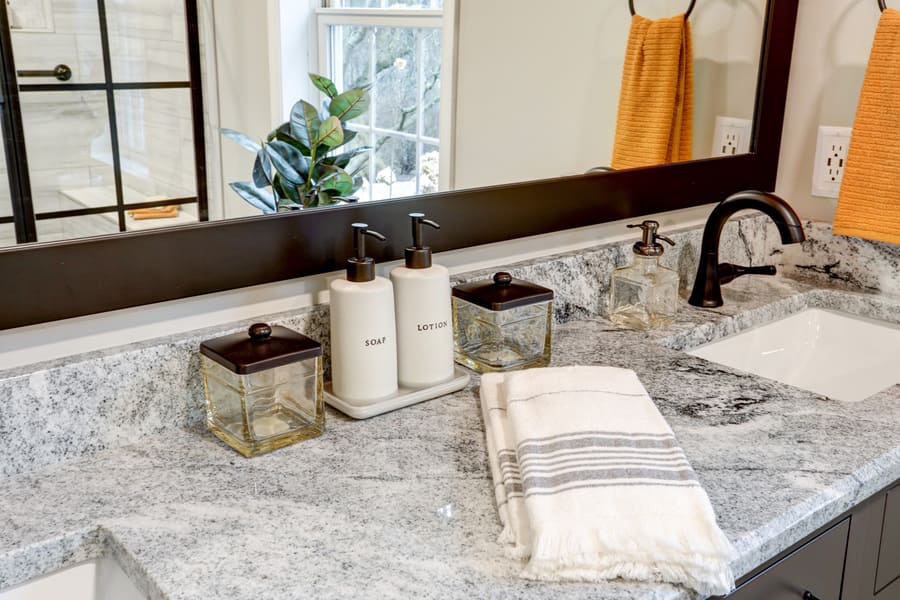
{"x":156,"y":212}
{"x":656,"y":104}
{"x":869,"y":201}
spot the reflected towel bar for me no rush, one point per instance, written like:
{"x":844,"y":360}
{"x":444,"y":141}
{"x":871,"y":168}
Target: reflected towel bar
{"x":693,"y":2}
{"x":61,"y":72}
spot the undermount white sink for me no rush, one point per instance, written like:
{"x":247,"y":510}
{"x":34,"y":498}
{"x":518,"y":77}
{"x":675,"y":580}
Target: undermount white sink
{"x":100,"y":579}
{"x":837,"y":355}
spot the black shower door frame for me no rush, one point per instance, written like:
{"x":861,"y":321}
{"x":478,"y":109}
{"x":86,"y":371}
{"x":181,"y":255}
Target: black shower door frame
{"x":24,"y":218}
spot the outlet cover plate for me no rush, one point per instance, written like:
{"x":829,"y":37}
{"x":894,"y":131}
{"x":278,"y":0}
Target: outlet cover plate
{"x":731,"y":136}
{"x":831,"y":156}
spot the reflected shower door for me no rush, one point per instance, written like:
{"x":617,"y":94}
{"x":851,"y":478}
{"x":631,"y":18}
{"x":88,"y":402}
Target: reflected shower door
{"x":103,"y":121}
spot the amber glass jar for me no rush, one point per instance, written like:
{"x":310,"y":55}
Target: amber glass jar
{"x":263,"y":388}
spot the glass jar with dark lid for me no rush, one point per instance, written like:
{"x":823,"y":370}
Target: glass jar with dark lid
{"x":263,"y":388}
{"x":502,"y":324}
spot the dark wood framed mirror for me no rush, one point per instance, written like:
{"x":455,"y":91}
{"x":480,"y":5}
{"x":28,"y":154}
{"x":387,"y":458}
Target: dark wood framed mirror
{"x":59,"y":280}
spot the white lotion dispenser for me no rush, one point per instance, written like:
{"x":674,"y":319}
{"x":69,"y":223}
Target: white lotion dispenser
{"x":363,"y":332}
{"x":423,"y":312}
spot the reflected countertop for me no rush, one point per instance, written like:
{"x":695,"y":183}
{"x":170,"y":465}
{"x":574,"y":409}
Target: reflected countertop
{"x":401,"y":505}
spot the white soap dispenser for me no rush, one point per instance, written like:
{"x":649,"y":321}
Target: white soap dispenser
{"x":363,"y":333}
{"x":424,"y":317}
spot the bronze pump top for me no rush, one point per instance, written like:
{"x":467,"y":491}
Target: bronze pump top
{"x":418,"y":256}
{"x":648,"y":246}
{"x":361,"y":268}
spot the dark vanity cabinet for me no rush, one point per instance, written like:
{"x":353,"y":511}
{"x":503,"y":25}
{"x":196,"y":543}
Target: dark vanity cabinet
{"x":888,"y":566}
{"x":872,"y":568}
{"x":855,"y":557}
{"x":814,"y":568}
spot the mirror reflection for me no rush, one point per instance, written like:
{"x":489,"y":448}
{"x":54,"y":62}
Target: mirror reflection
{"x":122,"y":104}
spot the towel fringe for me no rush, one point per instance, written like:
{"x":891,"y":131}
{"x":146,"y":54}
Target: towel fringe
{"x":701,"y":562}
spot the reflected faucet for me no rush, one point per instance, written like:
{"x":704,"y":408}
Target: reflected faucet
{"x":711,"y":274}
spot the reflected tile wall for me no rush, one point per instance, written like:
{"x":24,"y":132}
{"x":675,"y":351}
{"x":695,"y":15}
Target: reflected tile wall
{"x":101,"y":175}
{"x":5,"y":199}
{"x":74,"y":41}
{"x":147,"y":40}
{"x":43,"y":51}
{"x":65,"y":129}
{"x":83,"y":226}
{"x":135,"y":59}
{"x":67,"y":133}
{"x":75,"y":16}
{"x":210,"y":84}
{"x":46,"y":188}
{"x":147,"y":19}
{"x":49,"y":231}
{"x":7,"y":235}
{"x":156,"y":141}
{"x":89,"y":58}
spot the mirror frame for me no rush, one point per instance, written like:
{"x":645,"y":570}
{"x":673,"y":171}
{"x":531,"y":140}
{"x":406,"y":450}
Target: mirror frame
{"x":59,"y":280}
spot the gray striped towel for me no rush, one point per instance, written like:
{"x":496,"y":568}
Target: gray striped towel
{"x":591,"y":484}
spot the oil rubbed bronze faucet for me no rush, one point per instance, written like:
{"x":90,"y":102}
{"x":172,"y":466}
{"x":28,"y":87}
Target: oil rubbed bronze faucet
{"x":711,"y":274}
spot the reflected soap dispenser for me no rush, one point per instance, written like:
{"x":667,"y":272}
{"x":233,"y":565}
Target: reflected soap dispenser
{"x":424,"y":318}
{"x":644,"y":294}
{"x":363,"y":332}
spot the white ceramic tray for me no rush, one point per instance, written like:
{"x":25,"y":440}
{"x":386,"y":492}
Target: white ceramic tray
{"x":402,"y":398}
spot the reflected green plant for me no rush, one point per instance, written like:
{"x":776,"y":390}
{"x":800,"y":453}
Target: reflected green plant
{"x":303,"y":163}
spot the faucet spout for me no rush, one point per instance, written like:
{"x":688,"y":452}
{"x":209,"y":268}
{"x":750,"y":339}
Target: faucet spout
{"x":707,"y":290}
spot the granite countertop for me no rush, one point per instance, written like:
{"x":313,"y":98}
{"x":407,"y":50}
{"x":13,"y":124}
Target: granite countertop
{"x":401,"y":505}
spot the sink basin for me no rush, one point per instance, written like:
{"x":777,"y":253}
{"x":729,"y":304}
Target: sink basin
{"x":840,"y":356}
{"x":101,"y":579}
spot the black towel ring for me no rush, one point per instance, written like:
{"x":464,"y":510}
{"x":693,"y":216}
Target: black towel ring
{"x":882,"y":4}
{"x":693,"y":2}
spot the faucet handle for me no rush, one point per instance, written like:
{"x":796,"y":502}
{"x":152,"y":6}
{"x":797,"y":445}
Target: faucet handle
{"x":729,"y":272}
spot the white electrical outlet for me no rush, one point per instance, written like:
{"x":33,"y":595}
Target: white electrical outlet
{"x":831,"y":158}
{"x":732,"y":136}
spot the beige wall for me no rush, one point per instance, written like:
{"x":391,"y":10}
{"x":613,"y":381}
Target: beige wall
{"x":253,"y":41}
{"x":538,"y":86}
{"x":831,"y":48}
{"x":244,"y":89}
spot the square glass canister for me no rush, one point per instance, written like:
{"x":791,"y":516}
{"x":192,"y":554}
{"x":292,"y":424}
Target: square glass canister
{"x":502,"y":324}
{"x":263,"y":388}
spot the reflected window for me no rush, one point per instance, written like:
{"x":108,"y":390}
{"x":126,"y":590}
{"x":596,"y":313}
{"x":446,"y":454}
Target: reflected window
{"x":394,"y":46}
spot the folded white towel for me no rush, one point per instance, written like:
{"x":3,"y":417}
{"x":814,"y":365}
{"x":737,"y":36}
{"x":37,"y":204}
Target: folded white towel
{"x":591,"y":484}
{"x":516,"y":533}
